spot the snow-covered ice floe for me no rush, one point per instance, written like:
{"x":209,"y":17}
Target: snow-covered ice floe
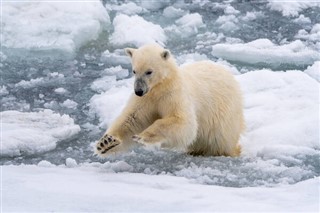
{"x":136,"y":31}
{"x":292,"y":7}
{"x":27,"y":133}
{"x":53,"y":26}
{"x":91,"y":188}
{"x":263,"y":51}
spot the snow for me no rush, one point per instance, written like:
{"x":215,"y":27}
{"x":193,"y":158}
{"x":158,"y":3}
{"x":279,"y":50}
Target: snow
{"x":92,"y":188}
{"x":134,"y":30}
{"x":27,"y":133}
{"x":314,"y":71}
{"x":265,"y":52}
{"x":53,"y":25}
{"x":292,"y":7}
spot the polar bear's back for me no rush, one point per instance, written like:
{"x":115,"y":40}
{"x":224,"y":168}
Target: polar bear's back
{"x":218,"y":103}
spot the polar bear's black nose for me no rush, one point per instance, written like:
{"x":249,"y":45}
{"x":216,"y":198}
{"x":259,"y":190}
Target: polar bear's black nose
{"x":139,"y":92}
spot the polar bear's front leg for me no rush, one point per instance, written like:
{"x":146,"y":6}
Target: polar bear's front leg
{"x":172,"y":130}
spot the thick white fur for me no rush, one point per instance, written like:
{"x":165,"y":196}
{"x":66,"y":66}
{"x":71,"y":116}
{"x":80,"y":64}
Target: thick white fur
{"x":196,"y":108}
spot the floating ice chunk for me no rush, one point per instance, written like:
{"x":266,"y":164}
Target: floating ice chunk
{"x":60,"y":90}
{"x":187,"y":25}
{"x":3,"y":91}
{"x":103,"y":84}
{"x":265,"y":52}
{"x":70,"y":104}
{"x":314,"y":34}
{"x":54,"y":25}
{"x":192,"y":21}
{"x":250,"y":16}
{"x":52,"y":78}
{"x":190,"y":58}
{"x":230,"y":10}
{"x":34,"y":132}
{"x":71,"y":163}
{"x":172,"y":12}
{"x":228,"y":22}
{"x":302,"y":20}
{"x":32,"y":83}
{"x":136,"y":31}
{"x":115,"y":58}
{"x":314,"y":71}
{"x":128,"y":8}
{"x":281,"y":109}
{"x":52,"y":105}
{"x":155,"y":5}
{"x":118,"y":71}
{"x":291,"y":8}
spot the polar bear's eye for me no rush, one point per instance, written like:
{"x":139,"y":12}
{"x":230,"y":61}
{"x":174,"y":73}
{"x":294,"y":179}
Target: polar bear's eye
{"x":134,"y":72}
{"x":149,"y":72}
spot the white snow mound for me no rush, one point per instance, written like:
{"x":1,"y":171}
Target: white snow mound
{"x":54,"y":25}
{"x":27,"y":133}
{"x":136,"y":31}
{"x":266,"y":52}
{"x":281,"y":112}
{"x":292,"y":7}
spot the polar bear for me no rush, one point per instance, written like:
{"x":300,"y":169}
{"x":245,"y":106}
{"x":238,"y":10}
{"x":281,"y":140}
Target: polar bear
{"x":196,"y":108}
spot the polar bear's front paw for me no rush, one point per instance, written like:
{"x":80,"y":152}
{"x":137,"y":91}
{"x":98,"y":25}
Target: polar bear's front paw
{"x":106,"y":143}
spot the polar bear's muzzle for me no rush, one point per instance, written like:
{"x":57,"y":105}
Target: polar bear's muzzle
{"x":140,"y":87}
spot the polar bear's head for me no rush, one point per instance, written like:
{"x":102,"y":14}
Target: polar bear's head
{"x":151,"y":65}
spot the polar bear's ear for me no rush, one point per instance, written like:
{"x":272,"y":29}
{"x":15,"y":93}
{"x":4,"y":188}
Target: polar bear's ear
{"x":165,"y":54}
{"x":129,"y":51}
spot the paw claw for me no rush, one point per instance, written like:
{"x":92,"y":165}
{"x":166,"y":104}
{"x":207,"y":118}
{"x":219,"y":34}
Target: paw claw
{"x":106,"y":143}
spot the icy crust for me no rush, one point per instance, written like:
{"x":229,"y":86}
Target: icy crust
{"x":292,"y":7}
{"x":263,"y":51}
{"x":93,"y":189}
{"x":134,"y":30}
{"x":54,"y":25}
{"x":27,"y":133}
{"x":280,"y":145}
